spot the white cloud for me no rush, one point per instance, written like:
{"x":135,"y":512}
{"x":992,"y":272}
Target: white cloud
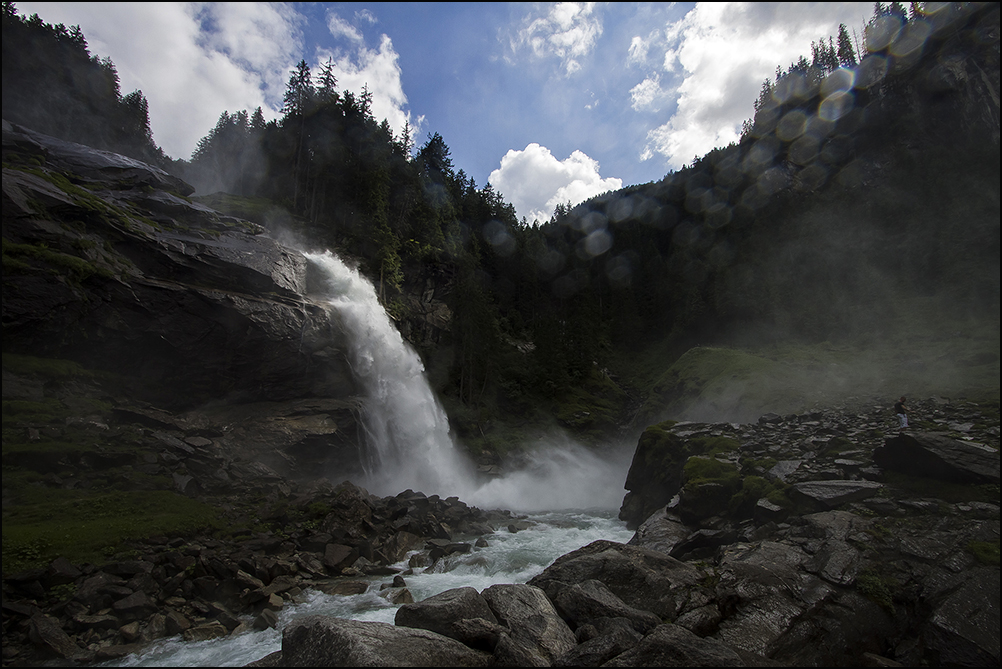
{"x":647,"y":94}
{"x":366,"y":15}
{"x":535,"y":182}
{"x":725,"y":51}
{"x":379,"y":70}
{"x":198,"y":61}
{"x":338,"y":27}
{"x":638,"y":51}
{"x":568,"y":31}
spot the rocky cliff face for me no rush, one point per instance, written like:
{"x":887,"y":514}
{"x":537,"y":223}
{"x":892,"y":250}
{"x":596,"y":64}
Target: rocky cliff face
{"x":109,"y":264}
{"x":178,"y":308}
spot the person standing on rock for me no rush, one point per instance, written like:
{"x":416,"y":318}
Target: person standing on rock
{"x":901,"y":411}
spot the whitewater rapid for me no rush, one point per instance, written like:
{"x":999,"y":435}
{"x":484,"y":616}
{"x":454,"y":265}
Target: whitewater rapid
{"x":508,"y":558}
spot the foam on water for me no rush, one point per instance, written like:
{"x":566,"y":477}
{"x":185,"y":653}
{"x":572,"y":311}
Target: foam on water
{"x":509,"y":558}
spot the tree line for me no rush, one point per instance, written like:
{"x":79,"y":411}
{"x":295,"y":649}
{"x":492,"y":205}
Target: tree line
{"x":52,"y":84}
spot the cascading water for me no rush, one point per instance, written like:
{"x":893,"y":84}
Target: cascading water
{"x":408,"y":436}
{"x":409,"y":445}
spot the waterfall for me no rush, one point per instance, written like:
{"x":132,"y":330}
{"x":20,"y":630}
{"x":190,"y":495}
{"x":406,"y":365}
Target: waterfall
{"x":407,"y":430}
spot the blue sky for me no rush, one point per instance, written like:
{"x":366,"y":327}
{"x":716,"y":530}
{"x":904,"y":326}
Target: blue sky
{"x":548,"y":102}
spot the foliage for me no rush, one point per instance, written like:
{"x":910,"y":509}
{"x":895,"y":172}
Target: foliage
{"x":53,"y":84}
{"x":81,"y":526}
{"x":877,"y":587}
{"x":985,"y":552}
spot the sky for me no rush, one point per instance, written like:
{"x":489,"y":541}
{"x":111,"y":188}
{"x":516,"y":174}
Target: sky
{"x":550,"y":103}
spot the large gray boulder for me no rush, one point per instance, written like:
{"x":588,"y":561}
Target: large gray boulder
{"x":661,"y":531}
{"x":323,"y":641}
{"x":581,"y":603}
{"x":535,"y":628}
{"x":833,"y":493}
{"x":964,"y":628}
{"x":673,"y":646}
{"x":439,"y":613}
{"x":939,"y":456}
{"x":642,"y":578}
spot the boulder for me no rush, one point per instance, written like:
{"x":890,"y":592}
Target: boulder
{"x":210,"y":630}
{"x":599,"y":649}
{"x":136,"y":606}
{"x":46,"y":634}
{"x":581,"y":603}
{"x":533,"y":624}
{"x":642,"y":578}
{"x":939,"y":456}
{"x":833,"y":493}
{"x":322,"y":641}
{"x":440,"y":612}
{"x":673,"y":646}
{"x":964,"y":627}
{"x":660,"y":532}
{"x":477,"y":633}
{"x":399,"y":544}
{"x":655,"y":474}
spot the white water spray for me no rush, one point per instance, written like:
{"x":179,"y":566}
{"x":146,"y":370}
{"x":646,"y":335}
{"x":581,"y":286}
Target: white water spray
{"x":407,"y":429}
{"x":409,"y":442}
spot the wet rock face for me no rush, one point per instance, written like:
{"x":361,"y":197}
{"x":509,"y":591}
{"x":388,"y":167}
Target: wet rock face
{"x":115,"y":268}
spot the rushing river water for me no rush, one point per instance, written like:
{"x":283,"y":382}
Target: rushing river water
{"x":509,"y":558}
{"x":570,"y":493}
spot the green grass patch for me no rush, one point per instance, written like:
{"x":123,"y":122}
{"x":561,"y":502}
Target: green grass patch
{"x":254,"y":209}
{"x":86,"y":527}
{"x":878,"y":588}
{"x":15,"y":258}
{"x":47,"y":410}
{"x":921,"y":356}
{"x":703,"y":469}
{"x":985,"y":552}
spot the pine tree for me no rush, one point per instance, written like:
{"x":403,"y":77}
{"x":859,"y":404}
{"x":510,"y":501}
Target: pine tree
{"x":299,"y":97}
{"x":257,"y":122}
{"x":846,"y":54}
{"x":299,"y":92}
{"x":327,"y":90}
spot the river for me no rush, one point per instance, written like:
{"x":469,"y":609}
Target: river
{"x":508,"y":558}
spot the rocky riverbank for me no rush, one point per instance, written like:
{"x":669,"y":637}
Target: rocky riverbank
{"x":817,"y":539}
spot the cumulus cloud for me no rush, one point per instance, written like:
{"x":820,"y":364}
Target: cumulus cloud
{"x":724,"y":52}
{"x":226,"y":56}
{"x":535,"y":182}
{"x":568,"y":32}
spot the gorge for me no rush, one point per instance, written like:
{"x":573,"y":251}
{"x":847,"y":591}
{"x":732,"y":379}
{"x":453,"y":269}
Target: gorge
{"x":656,"y":430}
